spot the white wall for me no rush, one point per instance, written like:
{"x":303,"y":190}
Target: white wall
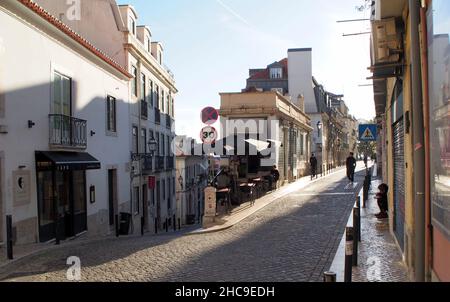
{"x":26,"y":64}
{"x":103,"y":20}
{"x":300,"y":77}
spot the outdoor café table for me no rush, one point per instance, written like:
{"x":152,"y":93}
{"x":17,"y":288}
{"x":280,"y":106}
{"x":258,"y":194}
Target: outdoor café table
{"x":224,"y":194}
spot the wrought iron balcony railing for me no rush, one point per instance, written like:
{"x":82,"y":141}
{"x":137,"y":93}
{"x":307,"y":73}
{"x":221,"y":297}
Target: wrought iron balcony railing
{"x":168,"y":122}
{"x":146,"y":161}
{"x":157,"y":116}
{"x":67,"y":132}
{"x":159,"y":163}
{"x":170,"y":162}
{"x":144,"y":109}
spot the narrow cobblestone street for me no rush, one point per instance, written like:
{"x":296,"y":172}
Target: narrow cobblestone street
{"x":293,"y":239}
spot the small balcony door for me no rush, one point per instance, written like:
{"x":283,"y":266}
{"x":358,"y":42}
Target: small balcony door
{"x":62,"y":95}
{"x":61,"y":110}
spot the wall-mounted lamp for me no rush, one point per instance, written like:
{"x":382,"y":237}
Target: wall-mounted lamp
{"x":22,"y":167}
{"x":31,"y":124}
{"x":93,"y":133}
{"x":319,"y":128}
{"x":92,"y":194}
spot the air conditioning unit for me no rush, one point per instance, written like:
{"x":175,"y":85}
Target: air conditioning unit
{"x":387,"y":41}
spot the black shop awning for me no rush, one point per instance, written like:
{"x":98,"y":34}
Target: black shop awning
{"x":66,"y":161}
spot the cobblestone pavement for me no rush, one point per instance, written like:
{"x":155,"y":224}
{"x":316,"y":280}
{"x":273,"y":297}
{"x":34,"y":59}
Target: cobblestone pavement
{"x":293,"y":239}
{"x":379,"y":258}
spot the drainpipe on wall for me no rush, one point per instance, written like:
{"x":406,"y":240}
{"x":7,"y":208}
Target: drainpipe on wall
{"x":426,"y":121}
{"x":418,"y":141}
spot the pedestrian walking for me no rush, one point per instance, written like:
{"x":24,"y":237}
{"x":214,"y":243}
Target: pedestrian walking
{"x":351,"y":166}
{"x":365,"y":160}
{"x":275,"y":176}
{"x":313,"y":164}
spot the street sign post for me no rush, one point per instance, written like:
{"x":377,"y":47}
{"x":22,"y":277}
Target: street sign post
{"x":368,"y":133}
{"x":209,"y":116}
{"x":208,"y":135}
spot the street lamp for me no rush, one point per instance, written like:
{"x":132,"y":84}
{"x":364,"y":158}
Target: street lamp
{"x":319,"y":127}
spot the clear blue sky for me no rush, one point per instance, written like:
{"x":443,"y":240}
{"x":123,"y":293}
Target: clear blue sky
{"x":211,"y":44}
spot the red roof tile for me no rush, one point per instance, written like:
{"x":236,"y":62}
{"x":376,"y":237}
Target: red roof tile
{"x":265,"y":74}
{"x":69,"y":32}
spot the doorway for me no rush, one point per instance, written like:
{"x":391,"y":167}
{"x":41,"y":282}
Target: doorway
{"x":145,"y":205}
{"x":62,"y":204}
{"x":112,"y":196}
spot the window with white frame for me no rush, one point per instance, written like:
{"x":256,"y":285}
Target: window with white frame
{"x":132,"y":26}
{"x":158,"y":144}
{"x":111,"y":123}
{"x":62,"y":94}
{"x":168,"y":104}
{"x":143,"y":86}
{"x":136,"y":200}
{"x":149,"y":45}
{"x":143,"y":141}
{"x":276,"y":73}
{"x":157,"y":105}
{"x":134,"y":81}
{"x":150,"y":93}
{"x":162,"y":101}
{"x":135,"y":140}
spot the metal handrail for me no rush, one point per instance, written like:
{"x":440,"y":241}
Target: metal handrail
{"x":67,"y":131}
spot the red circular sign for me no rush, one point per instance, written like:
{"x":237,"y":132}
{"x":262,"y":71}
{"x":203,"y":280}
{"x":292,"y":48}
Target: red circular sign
{"x":208,"y":135}
{"x":209,"y":115}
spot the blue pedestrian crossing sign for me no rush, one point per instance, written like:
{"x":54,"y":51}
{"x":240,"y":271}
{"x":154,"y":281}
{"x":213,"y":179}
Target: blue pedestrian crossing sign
{"x":368,"y":133}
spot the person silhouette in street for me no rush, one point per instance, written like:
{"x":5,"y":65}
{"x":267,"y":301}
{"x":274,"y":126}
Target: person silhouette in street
{"x":351,"y":166}
{"x":365,"y":160}
{"x":313,"y":163}
{"x":275,"y":176}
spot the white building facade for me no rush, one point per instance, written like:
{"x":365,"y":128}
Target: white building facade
{"x":192,"y":179}
{"x":151,"y":107}
{"x":64,"y":124}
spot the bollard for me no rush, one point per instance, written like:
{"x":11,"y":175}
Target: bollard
{"x":179,"y":223}
{"x":9,"y":237}
{"x":174,"y":223}
{"x":167,"y":225}
{"x":358,"y":204}
{"x":329,"y":277}
{"x":156,"y":225}
{"x":356,"y":228}
{"x":365,"y":192}
{"x":116,"y":220}
{"x":349,"y":237}
{"x":142,"y":225}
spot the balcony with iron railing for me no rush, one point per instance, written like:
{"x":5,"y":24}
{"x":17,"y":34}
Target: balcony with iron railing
{"x":170,"y":162}
{"x":159,"y":163}
{"x":67,"y":132}
{"x":146,"y":161}
{"x":168,"y":122}
{"x":144,"y":109}
{"x":157,"y":116}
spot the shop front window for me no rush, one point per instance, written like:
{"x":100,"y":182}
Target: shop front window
{"x":439,"y":92}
